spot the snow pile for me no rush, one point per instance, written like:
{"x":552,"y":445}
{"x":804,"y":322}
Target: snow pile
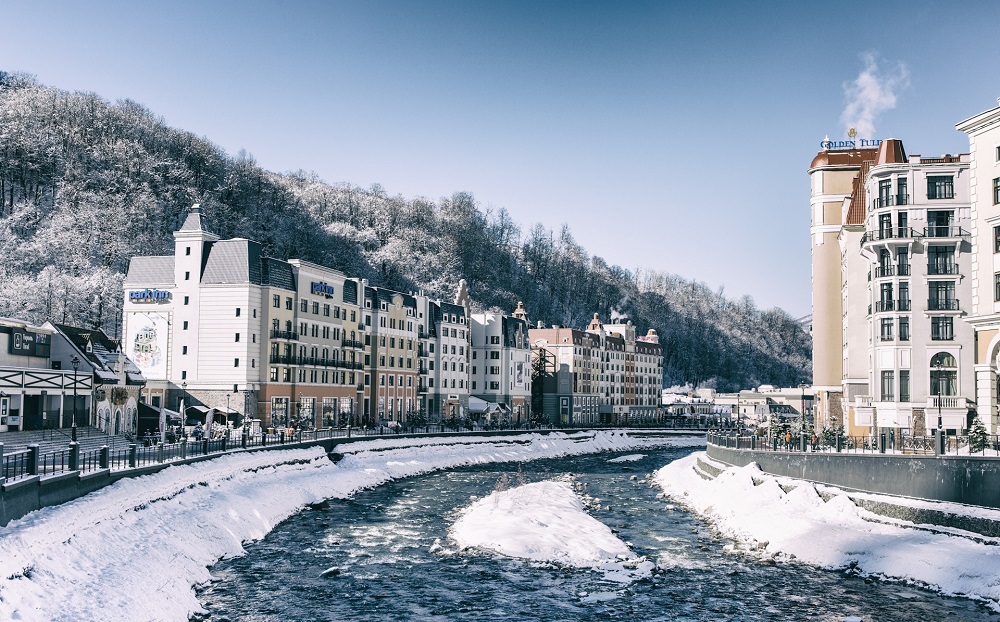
{"x":785,"y":518}
{"x":628,"y":458}
{"x":134,"y":550}
{"x":546,"y":522}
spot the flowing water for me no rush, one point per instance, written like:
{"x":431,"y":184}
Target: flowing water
{"x":386,"y":555}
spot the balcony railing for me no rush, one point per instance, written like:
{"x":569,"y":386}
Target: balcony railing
{"x":942,"y":231}
{"x":284,"y":359}
{"x":946,"y":401}
{"x":284,"y":334}
{"x":882,"y":306}
{"x":884,"y":271}
{"x":942,"y":305}
{"x":889,"y":201}
{"x":864,"y":401}
{"x":352,"y":343}
{"x":942,"y":269}
{"x":902,"y":305}
{"x":890,"y":233}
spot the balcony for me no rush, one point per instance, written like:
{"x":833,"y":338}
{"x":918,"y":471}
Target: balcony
{"x":903,"y":234}
{"x":938,"y":269}
{"x":290,"y":335}
{"x":889,"y":201}
{"x":284,"y":359}
{"x":902,"y":305}
{"x":881,"y":306}
{"x":946,"y":401}
{"x":353,"y":343}
{"x":942,"y":231}
{"x":884,"y":271}
{"x":942,"y":305}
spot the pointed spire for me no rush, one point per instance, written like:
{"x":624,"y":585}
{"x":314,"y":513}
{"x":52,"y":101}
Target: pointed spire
{"x":193,"y":220}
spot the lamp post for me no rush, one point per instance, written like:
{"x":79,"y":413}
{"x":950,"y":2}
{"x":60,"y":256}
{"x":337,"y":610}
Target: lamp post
{"x":939,"y":446}
{"x":76,"y":366}
{"x":184,"y":387}
{"x":298,"y":420}
{"x":227,"y":410}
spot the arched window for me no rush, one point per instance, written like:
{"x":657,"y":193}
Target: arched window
{"x":943,"y":359}
{"x":944,"y":375}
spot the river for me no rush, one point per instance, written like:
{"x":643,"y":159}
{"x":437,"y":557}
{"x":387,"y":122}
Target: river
{"x":386,"y":555}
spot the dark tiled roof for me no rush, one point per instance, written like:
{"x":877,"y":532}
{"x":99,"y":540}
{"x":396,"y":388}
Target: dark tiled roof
{"x":350,"y":292}
{"x":150,"y":271}
{"x":447,"y":307}
{"x":277,"y":273}
{"x":386,"y":296}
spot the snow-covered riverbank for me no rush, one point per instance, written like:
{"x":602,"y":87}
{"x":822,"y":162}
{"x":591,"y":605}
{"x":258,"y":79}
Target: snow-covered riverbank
{"x":134,"y":550}
{"x":782,"y":518}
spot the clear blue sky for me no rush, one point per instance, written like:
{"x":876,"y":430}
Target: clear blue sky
{"x":673,"y":136}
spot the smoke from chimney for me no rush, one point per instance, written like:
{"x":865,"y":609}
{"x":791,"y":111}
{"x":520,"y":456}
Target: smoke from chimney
{"x":870,"y":94}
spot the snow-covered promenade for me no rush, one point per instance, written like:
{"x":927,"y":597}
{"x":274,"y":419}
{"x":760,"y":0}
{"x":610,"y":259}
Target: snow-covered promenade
{"x":782,"y":518}
{"x":136,"y":549}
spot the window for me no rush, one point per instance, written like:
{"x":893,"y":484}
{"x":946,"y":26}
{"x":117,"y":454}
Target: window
{"x":184,"y":349}
{"x":940,"y":187}
{"x":184,"y":375}
{"x":904,"y":329}
{"x":187,"y":276}
{"x":187,"y":299}
{"x":494,"y":355}
{"x":996,"y":239}
{"x":276,"y":301}
{"x":942,"y":328}
{"x":941,"y":296}
{"x":326,"y":310}
{"x":941,"y":260}
{"x":236,"y":362}
{"x":237,"y":311}
{"x":888,"y":390}
{"x":996,"y":191}
{"x":288,"y":303}
{"x":315,"y":308}
{"x":996,"y":287}
{"x":943,"y":374}
{"x":902,"y":198}
{"x":185,"y":325}
{"x":495,"y":339}
{"x":286,"y":375}
{"x":274,"y":374}
{"x":887,"y":323}
{"x":473,"y":385}
{"x":187,"y":250}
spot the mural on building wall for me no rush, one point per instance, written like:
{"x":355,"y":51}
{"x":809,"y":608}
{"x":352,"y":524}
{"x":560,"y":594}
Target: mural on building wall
{"x":146,"y":341}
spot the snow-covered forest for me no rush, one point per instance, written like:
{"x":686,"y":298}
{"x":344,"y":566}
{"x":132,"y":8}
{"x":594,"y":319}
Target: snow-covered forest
{"x":85,"y":184}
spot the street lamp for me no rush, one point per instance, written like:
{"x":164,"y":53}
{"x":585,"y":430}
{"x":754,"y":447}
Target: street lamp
{"x":227,"y":410}
{"x":939,"y":446}
{"x":184,"y":387}
{"x":76,"y":366}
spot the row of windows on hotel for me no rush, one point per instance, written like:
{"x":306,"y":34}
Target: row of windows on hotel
{"x":943,"y":376}
{"x":942,"y":328}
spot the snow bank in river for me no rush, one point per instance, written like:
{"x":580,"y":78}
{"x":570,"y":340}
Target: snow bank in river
{"x":628,"y":458}
{"x":544,"y":521}
{"x":837,"y":533}
{"x":134,"y":550}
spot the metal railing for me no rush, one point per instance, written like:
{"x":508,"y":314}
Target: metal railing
{"x":27,"y":463}
{"x":890,"y":200}
{"x":945,"y":231}
{"x":284,"y":334}
{"x":352,"y":343}
{"x":884,"y":305}
{"x":934,"y":268}
{"x":986,"y":445}
{"x":938,"y":304}
{"x":890,"y":233}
